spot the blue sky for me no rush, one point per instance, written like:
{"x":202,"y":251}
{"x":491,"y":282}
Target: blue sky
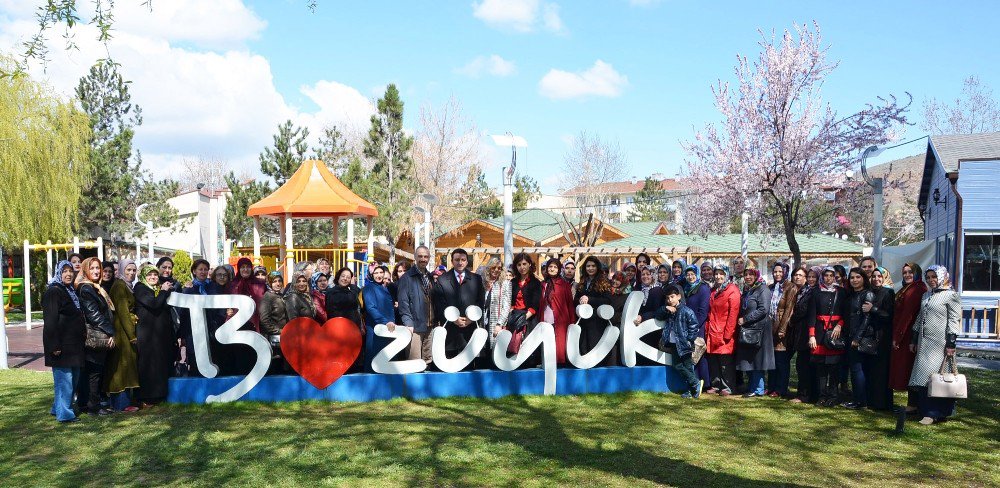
{"x":659,"y":58}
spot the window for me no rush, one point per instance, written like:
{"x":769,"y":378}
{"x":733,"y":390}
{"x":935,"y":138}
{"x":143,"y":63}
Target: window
{"x":981,"y":264}
{"x":630,"y":200}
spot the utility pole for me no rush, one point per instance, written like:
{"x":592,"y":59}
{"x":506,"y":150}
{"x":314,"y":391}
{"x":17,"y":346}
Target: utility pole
{"x":877,"y":184}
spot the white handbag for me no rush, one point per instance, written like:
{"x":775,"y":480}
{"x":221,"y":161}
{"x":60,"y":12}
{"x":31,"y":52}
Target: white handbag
{"x":947,"y":384}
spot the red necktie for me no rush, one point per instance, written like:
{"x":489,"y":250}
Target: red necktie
{"x":461,"y":278}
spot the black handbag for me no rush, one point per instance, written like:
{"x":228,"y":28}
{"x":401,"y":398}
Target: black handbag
{"x":96,"y":339}
{"x":868,"y":345}
{"x":517,"y":320}
{"x":830,"y":343}
{"x":751,"y":337}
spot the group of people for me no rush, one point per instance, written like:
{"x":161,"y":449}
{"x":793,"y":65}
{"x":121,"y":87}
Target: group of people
{"x":113,"y":342}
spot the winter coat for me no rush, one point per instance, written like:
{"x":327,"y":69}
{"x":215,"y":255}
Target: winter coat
{"x":531,"y":295}
{"x":784,"y":333}
{"x":905,"y":312}
{"x":497,"y":309}
{"x":64,"y":329}
{"x":342,"y":301}
{"x":414,"y":300}
{"x":448,"y":292}
{"x":156,"y":342}
{"x":655,"y":297}
{"x":681,"y":326}
{"x":799,"y":322}
{"x":98,"y":316}
{"x":697,"y":299}
{"x":756,"y":313}
{"x":319,"y":304}
{"x":723,"y":312}
{"x":272,"y":313}
{"x":298,"y":304}
{"x":937,"y":327}
{"x":122,"y":370}
{"x":826,"y":311}
{"x":557,"y":296}
{"x":378,"y":304}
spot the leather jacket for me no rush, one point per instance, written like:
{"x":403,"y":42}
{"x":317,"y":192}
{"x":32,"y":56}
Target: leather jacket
{"x":96,"y":311}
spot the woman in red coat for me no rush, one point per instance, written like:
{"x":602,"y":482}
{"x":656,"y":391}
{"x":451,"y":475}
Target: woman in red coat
{"x":557,"y":305}
{"x":723,"y":312}
{"x":906,"y":309}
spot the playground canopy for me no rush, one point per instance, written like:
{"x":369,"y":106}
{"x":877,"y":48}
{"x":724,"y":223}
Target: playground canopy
{"x":313,"y":192}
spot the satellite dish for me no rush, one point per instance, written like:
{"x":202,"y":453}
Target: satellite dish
{"x":451,"y":314}
{"x":606,"y":312}
{"x":474,"y":313}
{"x":584,"y":311}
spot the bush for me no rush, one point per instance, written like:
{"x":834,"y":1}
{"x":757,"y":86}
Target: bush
{"x":182,"y":267}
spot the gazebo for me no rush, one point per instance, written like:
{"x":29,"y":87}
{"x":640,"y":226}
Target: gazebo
{"x":313,"y":192}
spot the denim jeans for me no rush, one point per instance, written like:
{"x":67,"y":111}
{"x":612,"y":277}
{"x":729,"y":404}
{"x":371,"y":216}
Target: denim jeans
{"x":683,"y":365}
{"x":756,"y":383}
{"x":64,"y":380}
{"x":861,"y":364}
{"x":777,"y":378}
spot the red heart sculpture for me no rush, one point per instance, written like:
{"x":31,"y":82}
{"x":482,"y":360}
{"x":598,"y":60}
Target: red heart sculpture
{"x":321,"y":354}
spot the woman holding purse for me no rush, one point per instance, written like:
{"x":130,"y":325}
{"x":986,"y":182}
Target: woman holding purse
{"x":825,"y":326}
{"x":525,"y":299}
{"x":755,"y":345}
{"x":934,"y":336}
{"x":98,"y":312}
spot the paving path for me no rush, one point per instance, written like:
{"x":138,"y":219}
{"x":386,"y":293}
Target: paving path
{"x":25,"y":347}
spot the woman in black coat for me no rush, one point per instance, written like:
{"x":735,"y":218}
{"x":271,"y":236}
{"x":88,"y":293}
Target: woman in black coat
{"x":880,"y":318}
{"x":62,"y":339}
{"x":98,"y":312}
{"x":754,"y":308}
{"x":594,"y":290}
{"x":808,"y":388}
{"x":342,"y":298}
{"x":156,"y":343}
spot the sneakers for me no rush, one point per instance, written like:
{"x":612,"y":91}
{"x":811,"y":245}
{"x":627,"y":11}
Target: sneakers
{"x":752,"y":394}
{"x":686,"y":394}
{"x":926,"y":421}
{"x":853,"y":406}
{"x":697,"y":392}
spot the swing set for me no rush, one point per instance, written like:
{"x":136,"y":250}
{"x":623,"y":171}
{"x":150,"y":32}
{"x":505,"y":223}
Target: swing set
{"x":49,"y":249}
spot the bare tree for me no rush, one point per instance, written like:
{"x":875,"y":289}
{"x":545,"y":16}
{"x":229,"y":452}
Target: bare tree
{"x":976,"y":110}
{"x":588,"y":167}
{"x":448,"y":158}
{"x":206,"y":171}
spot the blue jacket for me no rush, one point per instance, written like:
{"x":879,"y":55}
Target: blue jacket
{"x":413,"y":304}
{"x":378,"y":304}
{"x":684,"y":325}
{"x":698,"y":300}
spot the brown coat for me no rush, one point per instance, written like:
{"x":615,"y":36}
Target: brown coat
{"x":783,"y":315}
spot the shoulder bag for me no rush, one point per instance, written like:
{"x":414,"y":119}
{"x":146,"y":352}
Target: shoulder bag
{"x":947,"y":384}
{"x":97,"y":339}
{"x":751,"y":336}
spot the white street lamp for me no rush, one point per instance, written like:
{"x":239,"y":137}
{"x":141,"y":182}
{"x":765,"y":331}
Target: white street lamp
{"x":877,"y":185}
{"x":514,"y":142}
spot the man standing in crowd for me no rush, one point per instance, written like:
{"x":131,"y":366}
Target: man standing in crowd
{"x":459,"y":288}
{"x":415,"y":304}
{"x":868,"y":266}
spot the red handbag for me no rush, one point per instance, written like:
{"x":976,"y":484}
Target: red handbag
{"x":515,"y":341}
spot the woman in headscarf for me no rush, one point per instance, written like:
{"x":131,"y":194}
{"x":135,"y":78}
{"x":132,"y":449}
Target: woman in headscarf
{"x":248,"y":282}
{"x":156,"y":342}
{"x":777,"y":379}
{"x":934,"y":335}
{"x":298,"y":300}
{"x":653,"y":297}
{"x":723,"y":314}
{"x":906,"y":308}
{"x":99,"y":311}
{"x":127,"y":272}
{"x":497,"y":301}
{"x":707,"y":273}
{"x":784,"y":331}
{"x":319,"y":283}
{"x":663,"y":275}
{"x":63,"y":335}
{"x":120,"y":375}
{"x":677,"y":272}
{"x":827,"y":332}
{"x":594,"y":290}
{"x":697,"y":295}
{"x":807,"y":389}
{"x":756,"y":359}
{"x":880,"y":312}
{"x":343,"y":300}
{"x":377,"y":310}
{"x":557,"y":305}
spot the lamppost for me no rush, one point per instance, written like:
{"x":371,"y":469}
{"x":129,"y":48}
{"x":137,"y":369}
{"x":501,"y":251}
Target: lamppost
{"x":514,"y":142}
{"x":877,"y":185}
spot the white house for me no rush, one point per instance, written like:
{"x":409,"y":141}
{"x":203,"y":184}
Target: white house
{"x":199,"y":230}
{"x":617,"y":200}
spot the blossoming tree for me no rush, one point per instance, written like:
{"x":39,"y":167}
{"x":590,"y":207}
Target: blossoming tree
{"x":779,"y":147}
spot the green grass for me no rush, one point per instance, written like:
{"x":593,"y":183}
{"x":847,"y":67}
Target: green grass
{"x":594,"y":440}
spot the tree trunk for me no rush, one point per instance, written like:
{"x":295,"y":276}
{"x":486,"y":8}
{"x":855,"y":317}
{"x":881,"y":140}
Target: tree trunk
{"x":793,"y":244}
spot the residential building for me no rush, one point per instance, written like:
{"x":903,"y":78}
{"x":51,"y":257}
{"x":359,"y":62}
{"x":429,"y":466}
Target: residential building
{"x":615,"y":202}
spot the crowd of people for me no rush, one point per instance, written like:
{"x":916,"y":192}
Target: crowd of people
{"x":113,"y":341}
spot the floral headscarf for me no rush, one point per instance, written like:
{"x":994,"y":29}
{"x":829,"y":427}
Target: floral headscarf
{"x":144,"y":272}
{"x":822,"y":284}
{"x":688,"y":287}
{"x":725,"y":270}
{"x":886,"y":277}
{"x":57,"y":280}
{"x":944,"y":279}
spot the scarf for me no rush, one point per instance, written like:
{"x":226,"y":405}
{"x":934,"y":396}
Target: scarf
{"x":823,"y":286}
{"x":124,"y":263}
{"x":57,"y":280}
{"x":886,"y":277}
{"x":315,"y":277}
{"x":944,"y":279}
{"x":202,"y":285}
{"x":146,"y":269}
{"x":918,"y":275}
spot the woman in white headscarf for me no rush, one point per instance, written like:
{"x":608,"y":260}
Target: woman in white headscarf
{"x":934,"y":334}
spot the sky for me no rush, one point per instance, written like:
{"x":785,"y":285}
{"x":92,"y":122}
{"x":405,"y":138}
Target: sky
{"x":215,"y":78}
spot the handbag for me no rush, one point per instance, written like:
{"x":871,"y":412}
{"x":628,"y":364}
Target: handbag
{"x":699,"y":350}
{"x":517,"y":320}
{"x":516,"y":339}
{"x":947,"y":384}
{"x":868,"y":345}
{"x":97,"y":339}
{"x":750,"y":337}
{"x":830,"y":343}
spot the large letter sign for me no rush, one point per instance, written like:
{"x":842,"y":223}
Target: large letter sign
{"x":544,"y":336}
{"x":383,"y":363}
{"x":439,"y":336}
{"x":228,"y":333}
{"x":604,"y":345}
{"x":632,"y":334}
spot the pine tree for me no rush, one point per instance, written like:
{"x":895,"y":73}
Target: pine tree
{"x":242,"y":195}
{"x":288,"y":153}
{"x":650,"y":203}
{"x":392,"y":172}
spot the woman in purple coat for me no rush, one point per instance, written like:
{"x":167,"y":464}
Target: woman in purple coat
{"x":696,"y":296}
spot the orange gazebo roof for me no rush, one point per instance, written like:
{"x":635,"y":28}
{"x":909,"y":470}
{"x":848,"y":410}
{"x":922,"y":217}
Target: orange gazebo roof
{"x":313,"y":191}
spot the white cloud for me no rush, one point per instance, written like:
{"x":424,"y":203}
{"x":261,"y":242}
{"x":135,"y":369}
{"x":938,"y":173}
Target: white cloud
{"x":493,"y":65}
{"x":196,"y":101}
{"x":600,"y":80}
{"x":519,"y":15}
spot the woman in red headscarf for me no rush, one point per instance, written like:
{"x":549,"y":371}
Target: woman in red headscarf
{"x":906,"y":308}
{"x":557,"y":305}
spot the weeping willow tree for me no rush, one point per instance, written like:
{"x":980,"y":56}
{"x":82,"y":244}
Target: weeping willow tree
{"x":43,"y":161}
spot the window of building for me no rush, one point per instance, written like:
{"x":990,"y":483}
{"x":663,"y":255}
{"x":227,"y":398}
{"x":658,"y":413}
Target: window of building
{"x":630,"y":200}
{"x":981,"y":263}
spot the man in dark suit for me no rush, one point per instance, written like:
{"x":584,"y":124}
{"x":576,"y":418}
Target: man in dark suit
{"x":461,"y":288}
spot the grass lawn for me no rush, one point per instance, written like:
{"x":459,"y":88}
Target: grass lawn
{"x":594,"y":440}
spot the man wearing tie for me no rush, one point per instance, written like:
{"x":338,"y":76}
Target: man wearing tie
{"x":460,"y":288}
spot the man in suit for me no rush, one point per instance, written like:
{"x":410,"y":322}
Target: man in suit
{"x":461,"y":288}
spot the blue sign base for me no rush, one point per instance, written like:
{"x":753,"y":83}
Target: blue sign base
{"x":418,"y":386}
